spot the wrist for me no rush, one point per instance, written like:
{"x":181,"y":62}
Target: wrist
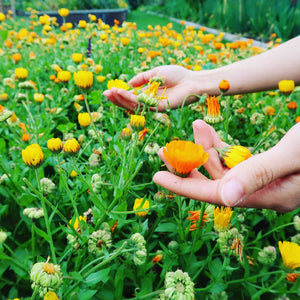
{"x":207,"y":82}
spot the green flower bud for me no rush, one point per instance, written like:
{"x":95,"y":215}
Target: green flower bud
{"x":267,"y":255}
{"x":173,"y":246}
{"x":73,"y":241}
{"x":45,"y":277}
{"x":226,"y":241}
{"x":5,"y":114}
{"x":137,"y":244}
{"x":27,"y":85}
{"x":33,"y":212}
{"x":218,"y":296}
{"x":152,"y":148}
{"x":98,"y":240}
{"x":105,"y":226}
{"x":3,"y":236}
{"x":160,"y":197}
{"x":296,"y":239}
{"x":47,"y":186}
{"x":297,"y":223}
{"x":96,"y":183}
{"x":3,"y":178}
{"x":94,"y":160}
{"x":179,"y":286}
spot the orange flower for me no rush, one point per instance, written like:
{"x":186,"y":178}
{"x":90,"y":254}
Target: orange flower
{"x":184,"y":156}
{"x":292,"y":277}
{"x":213,"y":110}
{"x":157,"y":258}
{"x":194,"y":217}
{"x":224,"y":86}
{"x":292,"y":105}
{"x":297,"y":119}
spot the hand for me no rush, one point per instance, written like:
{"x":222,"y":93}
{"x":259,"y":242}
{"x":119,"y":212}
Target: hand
{"x":268,"y":180}
{"x":179,"y":81}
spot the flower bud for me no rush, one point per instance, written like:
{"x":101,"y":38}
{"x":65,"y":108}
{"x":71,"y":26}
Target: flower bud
{"x":160,"y":197}
{"x":47,"y":186}
{"x":3,"y":236}
{"x":173,"y":246}
{"x":33,"y":212}
{"x":96,"y":183}
{"x":137,"y":122}
{"x":94,"y":160}
{"x":267,"y":255}
{"x":99,"y":239}
{"x":137,"y":244}
{"x":55,"y":145}
{"x":297,"y":222}
{"x":71,"y":146}
{"x":152,"y":148}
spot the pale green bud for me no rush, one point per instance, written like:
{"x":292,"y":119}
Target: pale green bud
{"x":296,"y":239}
{"x":218,"y":296}
{"x":267,"y":255}
{"x":137,"y":244}
{"x":27,"y":85}
{"x":99,"y":239}
{"x":94,"y":160}
{"x":152,"y":148}
{"x":3,"y":236}
{"x":297,"y":222}
{"x":173,"y":246}
{"x":33,"y":212}
{"x":47,"y":186}
{"x":162,"y":118}
{"x":96,"y":183}
{"x":3,"y":178}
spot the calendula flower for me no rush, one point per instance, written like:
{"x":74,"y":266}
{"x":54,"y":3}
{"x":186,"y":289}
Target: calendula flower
{"x":292,"y":277}
{"x":194,"y":217}
{"x":224,"y":86}
{"x":55,"y":145}
{"x":77,"y":222}
{"x":286,"y":86}
{"x":64,"y":76}
{"x":178,"y":285}
{"x":84,"y":119}
{"x":63,"y":12}
{"x":38,"y":97}
{"x":45,"y":277}
{"x":140,"y":204}
{"x":184,"y":156}
{"x":73,"y":174}
{"x":222,"y":218}
{"x":21,"y":73}
{"x":118,"y":83}
{"x":83,"y":79}
{"x":51,"y":296}
{"x":2,"y":17}
{"x":82,"y":24}
{"x":71,"y":146}
{"x":100,"y":78}
{"x":213,"y":115}
{"x":126,"y":134}
{"x":233,"y":155}
{"x":290,"y":253}
{"x":77,"y":57}
{"x":292,"y":105}
{"x":137,"y":122}
{"x":4,"y":97}
{"x":33,"y":156}
{"x":157,"y":258}
{"x":125,"y":41}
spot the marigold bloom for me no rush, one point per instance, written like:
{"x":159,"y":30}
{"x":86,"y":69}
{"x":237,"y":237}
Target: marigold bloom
{"x":292,"y":277}
{"x":125,"y":41}
{"x":2,"y":17}
{"x":84,"y":119}
{"x":83,"y":79}
{"x":157,"y":258}
{"x":292,"y":105}
{"x":290,"y":253}
{"x":71,"y":146}
{"x":16,"y":57}
{"x":33,"y":156}
{"x":21,"y":73}
{"x":51,"y":296}
{"x":213,"y":110}
{"x":224,"y":85}
{"x":77,"y":57}
{"x":297,"y":119}
{"x":222,"y":218}
{"x":126,"y":134}
{"x":100,"y":78}
{"x":269,"y":111}
{"x":138,"y":205}
{"x":286,"y":86}
{"x":73,"y":173}
{"x":233,"y":155}
{"x":63,"y":12}
{"x":194,"y":217}
{"x":184,"y":156}
{"x":137,"y":122}
{"x":37,"y":97}
{"x":55,"y":145}
{"x":82,"y":24}
{"x":25,"y":137}
{"x":118,"y":83}
{"x":64,"y":76}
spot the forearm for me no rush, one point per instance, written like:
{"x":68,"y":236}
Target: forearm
{"x":258,"y":73}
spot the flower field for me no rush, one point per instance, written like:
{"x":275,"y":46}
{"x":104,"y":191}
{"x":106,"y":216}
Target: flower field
{"x":81,"y":218}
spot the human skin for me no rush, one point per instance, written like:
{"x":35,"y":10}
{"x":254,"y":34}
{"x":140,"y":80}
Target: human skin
{"x":258,"y":73}
{"x":267,"y":180}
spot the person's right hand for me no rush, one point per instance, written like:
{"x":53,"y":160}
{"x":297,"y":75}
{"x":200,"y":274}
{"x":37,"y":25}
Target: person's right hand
{"x":179,"y":81}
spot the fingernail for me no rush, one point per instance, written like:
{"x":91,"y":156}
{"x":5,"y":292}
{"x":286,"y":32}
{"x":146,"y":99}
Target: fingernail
{"x":232,"y":193}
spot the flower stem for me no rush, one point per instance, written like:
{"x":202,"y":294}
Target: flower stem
{"x":46,"y":219}
{"x":32,"y":241}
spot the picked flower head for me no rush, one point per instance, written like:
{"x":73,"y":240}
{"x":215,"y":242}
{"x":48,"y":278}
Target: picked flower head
{"x":184,"y":156}
{"x":118,"y":83}
{"x":224,"y":86}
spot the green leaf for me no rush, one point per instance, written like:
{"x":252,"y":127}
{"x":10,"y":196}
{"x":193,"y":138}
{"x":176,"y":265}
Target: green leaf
{"x":65,"y":127}
{"x":77,"y":276}
{"x":86,"y":294}
{"x":119,"y":282}
{"x":3,"y":34}
{"x":218,"y":287}
{"x":215,"y":268}
{"x":96,"y":97}
{"x":42,"y":233}
{"x":94,"y":278}
{"x":166,"y":227}
{"x":26,"y":199}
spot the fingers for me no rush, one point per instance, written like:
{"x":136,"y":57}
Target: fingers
{"x":122,"y":98}
{"x":206,"y":136}
{"x":142,"y":78}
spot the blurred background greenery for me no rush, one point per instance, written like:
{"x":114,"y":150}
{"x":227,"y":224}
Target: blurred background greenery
{"x":256,"y":19}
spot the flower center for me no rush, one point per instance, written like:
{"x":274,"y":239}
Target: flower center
{"x":179,"y":287}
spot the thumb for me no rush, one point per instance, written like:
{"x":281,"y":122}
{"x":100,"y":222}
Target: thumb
{"x":257,"y":172}
{"x":141,"y":78}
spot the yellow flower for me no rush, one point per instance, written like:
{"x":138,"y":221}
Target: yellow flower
{"x":233,"y":155}
{"x":55,"y":145}
{"x":2,"y":17}
{"x":83,"y":79}
{"x":73,"y":173}
{"x":138,"y":206}
{"x":125,"y":41}
{"x":51,"y":296}
{"x":21,"y":73}
{"x":290,"y":253}
{"x":76,"y":223}
{"x":82,"y":24}
{"x":84,"y":119}
{"x":33,"y":156}
{"x":224,"y":86}
{"x":100,"y":78}
{"x":137,"y":122}
{"x":44,"y":19}
{"x":77,"y":57}
{"x":117,"y":83}
{"x":126,"y":134}
{"x":184,"y":156}
{"x":213,"y":110}
{"x":64,"y":76}
{"x":63,"y":12}
{"x":195,"y":216}
{"x":38,"y":97}
{"x":286,"y":86}
{"x":222,"y":218}
{"x":71,"y":146}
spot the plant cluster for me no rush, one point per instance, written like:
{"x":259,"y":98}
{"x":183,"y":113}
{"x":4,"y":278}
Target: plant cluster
{"x":80,"y":217}
{"x":253,"y":18}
